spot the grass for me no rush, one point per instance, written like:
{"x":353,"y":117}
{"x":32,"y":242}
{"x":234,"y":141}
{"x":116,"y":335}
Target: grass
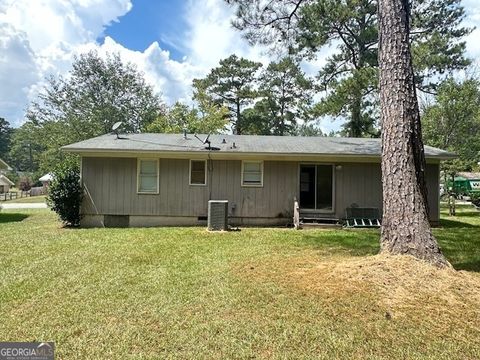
{"x":459,"y":237}
{"x":257,"y":293}
{"x":26,"y":200}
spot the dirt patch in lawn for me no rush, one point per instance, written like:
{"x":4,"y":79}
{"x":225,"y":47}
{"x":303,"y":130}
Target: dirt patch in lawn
{"x":397,"y":287}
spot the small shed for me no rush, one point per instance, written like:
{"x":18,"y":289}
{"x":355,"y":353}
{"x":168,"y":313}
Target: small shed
{"x":5,"y":184}
{"x":45,"y":180}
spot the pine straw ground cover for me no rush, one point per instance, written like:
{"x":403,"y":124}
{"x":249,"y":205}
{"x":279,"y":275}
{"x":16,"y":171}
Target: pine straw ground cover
{"x":257,"y":293}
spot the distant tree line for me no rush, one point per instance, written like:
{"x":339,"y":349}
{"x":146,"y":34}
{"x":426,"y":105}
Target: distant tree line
{"x":451,"y":118}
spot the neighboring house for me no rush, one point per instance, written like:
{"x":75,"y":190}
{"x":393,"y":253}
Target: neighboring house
{"x":167,"y":179}
{"x":4,"y":167}
{"x":45,"y":180}
{"x":5,"y":184}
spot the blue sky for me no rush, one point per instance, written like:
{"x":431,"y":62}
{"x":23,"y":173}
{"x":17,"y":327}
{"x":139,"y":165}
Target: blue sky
{"x":170,"y":41}
{"x":150,"y":21}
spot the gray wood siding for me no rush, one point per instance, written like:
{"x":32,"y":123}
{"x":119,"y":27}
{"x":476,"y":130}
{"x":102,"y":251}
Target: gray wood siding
{"x":432,"y":178}
{"x":111,"y":183}
{"x":274,"y":199}
{"x":362,"y":184}
{"x":111,"y":188}
{"x":357,"y":183}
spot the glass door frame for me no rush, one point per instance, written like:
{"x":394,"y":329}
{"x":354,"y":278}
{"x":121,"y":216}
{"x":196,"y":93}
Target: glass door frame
{"x":332,"y":211}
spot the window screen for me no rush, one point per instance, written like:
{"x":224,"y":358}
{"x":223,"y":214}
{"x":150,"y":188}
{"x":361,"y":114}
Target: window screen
{"x":198,"y":170}
{"x":252,"y":173}
{"x":148,"y":176}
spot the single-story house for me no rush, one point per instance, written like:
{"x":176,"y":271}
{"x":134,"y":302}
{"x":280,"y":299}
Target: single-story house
{"x":5,"y":184}
{"x":168,"y":179}
{"x":45,"y":180}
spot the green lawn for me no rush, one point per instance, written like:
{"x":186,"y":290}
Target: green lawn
{"x":25,"y":200}
{"x":256,"y":293}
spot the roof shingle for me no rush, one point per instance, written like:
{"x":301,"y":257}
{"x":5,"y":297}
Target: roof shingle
{"x":241,"y":144}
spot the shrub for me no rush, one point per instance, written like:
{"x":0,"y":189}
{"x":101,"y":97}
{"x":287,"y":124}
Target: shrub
{"x":25,"y":183}
{"x":475,"y":199}
{"x":65,"y":192}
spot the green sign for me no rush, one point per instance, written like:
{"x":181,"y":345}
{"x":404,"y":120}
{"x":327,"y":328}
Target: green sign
{"x":475,"y":184}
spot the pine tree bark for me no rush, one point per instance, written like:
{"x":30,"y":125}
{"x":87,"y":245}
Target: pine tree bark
{"x":237,"y":128}
{"x":405,"y":228}
{"x":356,"y":128}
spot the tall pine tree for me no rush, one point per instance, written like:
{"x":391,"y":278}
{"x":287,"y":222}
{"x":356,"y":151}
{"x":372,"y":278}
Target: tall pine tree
{"x":405,"y":225}
{"x":349,"y":28}
{"x":286,"y":93}
{"x":231,"y":84}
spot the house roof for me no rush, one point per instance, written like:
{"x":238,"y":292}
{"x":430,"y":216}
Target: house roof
{"x":293,"y":146}
{"x":46,"y":177}
{"x":5,"y":181}
{"x":4,"y":165}
{"x":468,"y":175}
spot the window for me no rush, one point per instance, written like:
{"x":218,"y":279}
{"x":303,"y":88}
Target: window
{"x":147,"y":179}
{"x":252,"y":173}
{"x":198,"y":172}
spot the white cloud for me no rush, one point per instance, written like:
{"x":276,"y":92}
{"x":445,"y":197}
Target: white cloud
{"x":50,"y":22}
{"x":170,"y":78}
{"x":211,"y":36}
{"x":472,"y":10}
{"x":18,"y":71}
{"x":38,"y":38}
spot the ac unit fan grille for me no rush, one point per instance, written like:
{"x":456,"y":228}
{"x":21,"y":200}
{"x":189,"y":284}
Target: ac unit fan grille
{"x":218,"y":215}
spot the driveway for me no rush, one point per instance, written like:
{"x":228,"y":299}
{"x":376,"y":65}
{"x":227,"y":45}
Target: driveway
{"x":23,"y":206}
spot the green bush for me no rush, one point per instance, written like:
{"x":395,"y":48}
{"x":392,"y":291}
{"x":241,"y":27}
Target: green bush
{"x":475,"y":198}
{"x":65,"y":192}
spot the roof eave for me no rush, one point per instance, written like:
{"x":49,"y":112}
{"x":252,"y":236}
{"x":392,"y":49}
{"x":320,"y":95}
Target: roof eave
{"x":234,"y":154}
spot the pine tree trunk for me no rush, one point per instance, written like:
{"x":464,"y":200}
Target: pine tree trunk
{"x":405,"y":228}
{"x":356,"y":120}
{"x":237,"y":129}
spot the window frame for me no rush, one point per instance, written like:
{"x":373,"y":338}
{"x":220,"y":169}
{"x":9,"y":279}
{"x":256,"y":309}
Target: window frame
{"x":190,"y":172}
{"x":157,"y":164}
{"x":261,"y":173}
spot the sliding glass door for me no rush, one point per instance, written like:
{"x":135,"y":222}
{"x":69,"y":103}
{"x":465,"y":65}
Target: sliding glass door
{"x":316,"y":187}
